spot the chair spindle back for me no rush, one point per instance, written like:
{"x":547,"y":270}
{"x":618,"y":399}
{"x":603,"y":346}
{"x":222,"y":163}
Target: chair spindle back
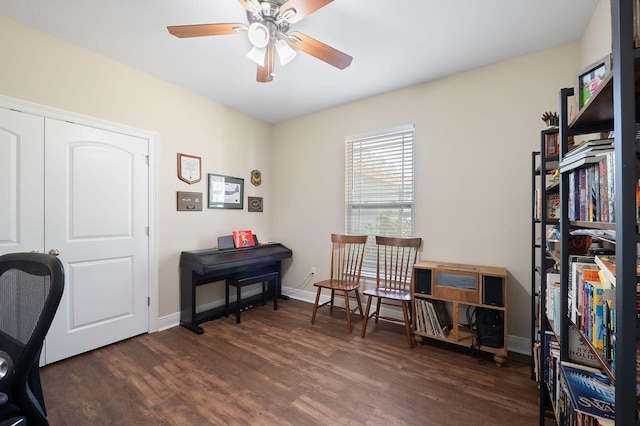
{"x":346,"y":257}
{"x":396,"y":257}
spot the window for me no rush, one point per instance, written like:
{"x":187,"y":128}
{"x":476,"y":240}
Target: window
{"x":379,"y":187}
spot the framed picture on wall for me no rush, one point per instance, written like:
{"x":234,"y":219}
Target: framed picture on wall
{"x":254,"y":204}
{"x":225,"y":192}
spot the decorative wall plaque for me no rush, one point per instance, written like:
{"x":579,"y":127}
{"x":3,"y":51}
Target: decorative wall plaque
{"x":189,"y":201}
{"x":189,"y":168}
{"x":254,"y":204}
{"x":256,"y":177}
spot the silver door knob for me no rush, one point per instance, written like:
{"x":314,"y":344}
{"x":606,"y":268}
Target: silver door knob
{"x":54,"y":252}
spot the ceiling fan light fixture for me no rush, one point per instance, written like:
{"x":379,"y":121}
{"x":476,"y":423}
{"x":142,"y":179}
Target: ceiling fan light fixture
{"x":252,"y":6}
{"x":285,"y":52}
{"x":258,"y":35}
{"x":257,"y":55}
{"x":288,"y":15}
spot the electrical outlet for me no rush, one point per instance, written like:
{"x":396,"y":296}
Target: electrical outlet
{"x":313,"y":270}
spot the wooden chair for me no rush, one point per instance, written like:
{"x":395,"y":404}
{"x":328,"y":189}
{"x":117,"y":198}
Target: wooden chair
{"x":347,"y":253}
{"x":396,"y":257}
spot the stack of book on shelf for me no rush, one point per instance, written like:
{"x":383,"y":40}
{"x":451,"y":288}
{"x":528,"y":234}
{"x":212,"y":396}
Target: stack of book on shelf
{"x":591,"y":181}
{"x":586,"y":396}
{"x":432,"y":317}
{"x":586,"y":153}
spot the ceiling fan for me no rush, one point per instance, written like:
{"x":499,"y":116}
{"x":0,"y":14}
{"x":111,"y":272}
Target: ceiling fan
{"x":268,"y":32}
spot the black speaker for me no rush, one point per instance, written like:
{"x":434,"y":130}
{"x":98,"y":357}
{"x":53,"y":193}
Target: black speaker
{"x":423,"y":281}
{"x":492,"y":290}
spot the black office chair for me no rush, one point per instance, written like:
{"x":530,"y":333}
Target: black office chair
{"x":31,"y":287}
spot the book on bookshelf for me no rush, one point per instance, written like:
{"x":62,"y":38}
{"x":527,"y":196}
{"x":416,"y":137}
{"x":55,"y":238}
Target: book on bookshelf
{"x":553,"y":287}
{"x":591,"y":292}
{"x":579,"y":351}
{"x":587,"y":396}
{"x":553,"y":206}
{"x":577,"y":264}
{"x":609,"y":326}
{"x":607,"y":266}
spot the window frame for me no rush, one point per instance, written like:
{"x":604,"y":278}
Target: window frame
{"x":397,"y":144}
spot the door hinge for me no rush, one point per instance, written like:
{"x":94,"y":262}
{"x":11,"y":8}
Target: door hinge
{"x":148,"y":301}
{"x":147,"y":157}
{"x":147,"y":231}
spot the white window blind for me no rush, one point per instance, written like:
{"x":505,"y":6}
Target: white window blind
{"x":379,"y":187}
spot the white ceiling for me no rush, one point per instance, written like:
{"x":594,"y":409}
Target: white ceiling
{"x":394,"y":43}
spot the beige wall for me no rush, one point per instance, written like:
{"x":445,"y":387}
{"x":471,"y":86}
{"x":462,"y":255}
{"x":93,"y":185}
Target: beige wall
{"x":596,"y":41}
{"x":474,"y":136}
{"x":42,"y":69}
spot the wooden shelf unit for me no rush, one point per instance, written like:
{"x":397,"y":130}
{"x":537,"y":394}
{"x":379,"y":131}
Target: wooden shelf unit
{"x":482,"y":286}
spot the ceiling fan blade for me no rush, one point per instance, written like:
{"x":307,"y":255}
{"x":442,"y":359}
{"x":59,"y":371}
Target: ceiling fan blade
{"x":265,"y":73}
{"x":183,"y":31}
{"x":302,"y":8}
{"x":321,"y":51}
{"x":250,"y":5}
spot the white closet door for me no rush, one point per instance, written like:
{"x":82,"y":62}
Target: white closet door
{"x":21,"y":182}
{"x":96,"y":207}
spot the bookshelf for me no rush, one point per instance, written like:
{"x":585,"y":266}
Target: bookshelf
{"x":544,"y":189}
{"x":611,"y":107}
{"x":460,"y":290}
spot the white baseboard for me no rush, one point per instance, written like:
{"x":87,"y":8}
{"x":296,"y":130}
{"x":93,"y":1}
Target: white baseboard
{"x":516,"y":344}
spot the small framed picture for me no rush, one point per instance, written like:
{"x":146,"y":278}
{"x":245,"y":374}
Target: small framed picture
{"x":225,"y":192}
{"x":590,"y":79}
{"x":254,"y":204}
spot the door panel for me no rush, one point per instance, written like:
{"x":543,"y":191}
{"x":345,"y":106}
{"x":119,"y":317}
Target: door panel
{"x":21,"y":182}
{"x":96,"y":214}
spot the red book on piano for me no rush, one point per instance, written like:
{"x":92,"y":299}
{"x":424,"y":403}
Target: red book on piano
{"x":243,"y":238}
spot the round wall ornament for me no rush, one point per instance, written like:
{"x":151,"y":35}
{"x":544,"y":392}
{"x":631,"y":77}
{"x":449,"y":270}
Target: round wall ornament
{"x":256,"y":177}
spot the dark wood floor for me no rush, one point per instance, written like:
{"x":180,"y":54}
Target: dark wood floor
{"x":275,"y":368}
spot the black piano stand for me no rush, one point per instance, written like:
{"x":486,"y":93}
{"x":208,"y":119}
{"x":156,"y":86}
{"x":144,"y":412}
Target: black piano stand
{"x":239,"y":282}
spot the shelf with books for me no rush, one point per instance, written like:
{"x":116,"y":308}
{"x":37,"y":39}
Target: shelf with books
{"x":585,"y":396}
{"x":604,"y":314}
{"x":454,"y":302}
{"x":545,"y":198}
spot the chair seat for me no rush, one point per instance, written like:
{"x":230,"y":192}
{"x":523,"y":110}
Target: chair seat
{"x":389,"y":293}
{"x":337,"y":285}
